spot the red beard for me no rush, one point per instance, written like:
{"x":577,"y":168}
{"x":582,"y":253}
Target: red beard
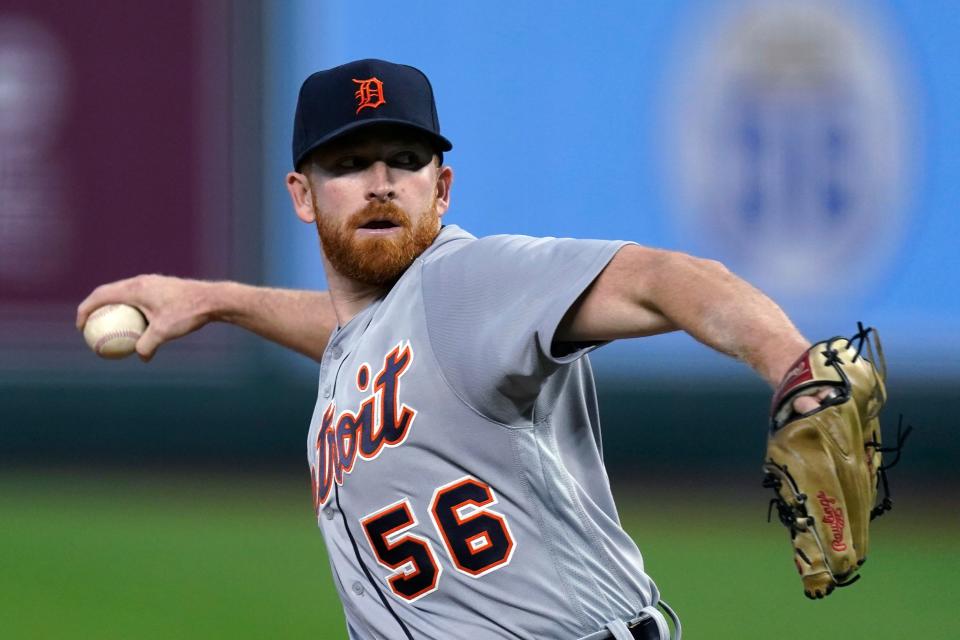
{"x":377,"y":260}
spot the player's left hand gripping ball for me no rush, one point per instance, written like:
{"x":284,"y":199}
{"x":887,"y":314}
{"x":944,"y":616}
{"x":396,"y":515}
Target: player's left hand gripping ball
{"x":824,"y":465}
{"x":112,"y":331}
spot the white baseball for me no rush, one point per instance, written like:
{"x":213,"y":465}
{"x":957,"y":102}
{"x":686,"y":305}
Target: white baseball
{"x":112,"y":331}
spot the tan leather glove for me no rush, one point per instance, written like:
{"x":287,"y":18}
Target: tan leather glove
{"x":824,"y":465}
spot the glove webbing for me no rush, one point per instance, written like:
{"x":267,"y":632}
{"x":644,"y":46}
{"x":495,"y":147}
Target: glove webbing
{"x":886,"y":503}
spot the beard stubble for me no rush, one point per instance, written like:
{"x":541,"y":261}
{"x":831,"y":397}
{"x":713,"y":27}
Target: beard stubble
{"x":377,"y":260}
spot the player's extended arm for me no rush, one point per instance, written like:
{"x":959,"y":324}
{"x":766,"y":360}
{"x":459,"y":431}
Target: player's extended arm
{"x":174,"y":307}
{"x":645,"y":291}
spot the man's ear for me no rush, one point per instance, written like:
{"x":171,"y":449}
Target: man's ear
{"x":299,"y":187}
{"x":444,"y":184}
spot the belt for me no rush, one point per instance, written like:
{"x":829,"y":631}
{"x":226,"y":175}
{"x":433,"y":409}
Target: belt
{"x":645,"y":629}
{"x":649,"y":625}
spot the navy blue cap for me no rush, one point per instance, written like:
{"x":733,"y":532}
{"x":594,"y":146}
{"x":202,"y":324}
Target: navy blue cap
{"x":362,"y":93}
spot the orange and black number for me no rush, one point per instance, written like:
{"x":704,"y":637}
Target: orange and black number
{"x":415,"y":570}
{"x":477,"y":538}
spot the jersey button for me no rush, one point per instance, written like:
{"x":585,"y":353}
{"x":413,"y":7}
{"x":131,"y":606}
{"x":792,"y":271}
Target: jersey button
{"x":328,"y":513}
{"x":336,"y":352}
{"x":326,"y":392}
{"x":357,"y":588}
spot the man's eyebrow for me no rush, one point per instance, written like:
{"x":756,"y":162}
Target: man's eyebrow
{"x":373,"y":148}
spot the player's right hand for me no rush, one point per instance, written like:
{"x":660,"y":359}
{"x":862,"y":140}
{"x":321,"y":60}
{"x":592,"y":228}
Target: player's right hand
{"x":173,"y":307}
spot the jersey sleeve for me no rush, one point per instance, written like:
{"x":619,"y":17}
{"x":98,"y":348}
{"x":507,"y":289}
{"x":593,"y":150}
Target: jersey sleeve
{"x":492,"y":309}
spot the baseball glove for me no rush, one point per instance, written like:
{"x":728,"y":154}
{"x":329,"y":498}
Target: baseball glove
{"x":825,"y":466}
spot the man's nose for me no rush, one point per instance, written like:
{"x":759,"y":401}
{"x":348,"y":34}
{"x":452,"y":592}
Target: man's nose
{"x":381,"y":187}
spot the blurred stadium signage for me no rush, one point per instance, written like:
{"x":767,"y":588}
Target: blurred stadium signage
{"x":34,"y":199}
{"x":791,"y":144}
{"x":115,"y":128}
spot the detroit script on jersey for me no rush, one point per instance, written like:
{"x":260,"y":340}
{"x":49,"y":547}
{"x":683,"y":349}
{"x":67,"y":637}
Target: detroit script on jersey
{"x":380,"y":420}
{"x":455,"y":460}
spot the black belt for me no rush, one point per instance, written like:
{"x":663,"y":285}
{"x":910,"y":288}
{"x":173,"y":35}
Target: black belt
{"x":645,"y":629}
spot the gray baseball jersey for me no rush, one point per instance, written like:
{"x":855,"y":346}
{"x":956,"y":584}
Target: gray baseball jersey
{"x":455,"y":456}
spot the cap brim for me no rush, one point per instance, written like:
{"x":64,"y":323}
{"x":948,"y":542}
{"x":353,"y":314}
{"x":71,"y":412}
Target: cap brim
{"x":441,"y":143}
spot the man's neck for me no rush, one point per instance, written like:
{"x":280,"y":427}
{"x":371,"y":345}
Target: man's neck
{"x":349,"y":297}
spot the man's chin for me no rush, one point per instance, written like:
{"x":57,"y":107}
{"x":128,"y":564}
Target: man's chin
{"x":376,"y":257}
{"x":384,"y":243}
{"x":381,"y":272}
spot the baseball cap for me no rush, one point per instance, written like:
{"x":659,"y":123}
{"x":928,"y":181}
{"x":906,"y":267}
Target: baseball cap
{"x":358,"y":94}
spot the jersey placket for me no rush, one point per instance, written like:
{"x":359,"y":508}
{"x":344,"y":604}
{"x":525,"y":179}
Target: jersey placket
{"x":335,"y":521}
{"x":333,"y":359}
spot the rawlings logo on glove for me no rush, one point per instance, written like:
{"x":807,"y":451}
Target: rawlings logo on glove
{"x":833,"y":454}
{"x":833,"y":517}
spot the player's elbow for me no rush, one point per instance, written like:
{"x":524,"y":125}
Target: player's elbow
{"x":713,"y":267}
{"x":664,"y":264}
{"x":702,"y":267}
{"x":655,"y":276}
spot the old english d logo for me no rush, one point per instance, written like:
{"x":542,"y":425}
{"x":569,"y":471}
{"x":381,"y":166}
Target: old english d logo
{"x":369,"y":93}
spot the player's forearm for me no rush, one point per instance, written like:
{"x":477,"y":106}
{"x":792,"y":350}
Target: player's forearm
{"x":723,"y":311}
{"x":299,"y":320}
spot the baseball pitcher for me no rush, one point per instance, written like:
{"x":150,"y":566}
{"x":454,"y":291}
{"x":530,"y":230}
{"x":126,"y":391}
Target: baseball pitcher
{"x":455,"y":448}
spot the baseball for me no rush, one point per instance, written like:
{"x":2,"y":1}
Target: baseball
{"x":112,"y":331}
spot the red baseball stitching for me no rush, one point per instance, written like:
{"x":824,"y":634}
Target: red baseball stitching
{"x":125,"y":333}
{"x":103,"y":311}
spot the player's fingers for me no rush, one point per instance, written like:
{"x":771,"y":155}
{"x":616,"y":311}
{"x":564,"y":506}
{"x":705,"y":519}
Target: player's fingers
{"x":805,"y":404}
{"x":110,"y":293}
{"x":91,"y":302}
{"x":148,"y":343}
{"x":134,"y":291}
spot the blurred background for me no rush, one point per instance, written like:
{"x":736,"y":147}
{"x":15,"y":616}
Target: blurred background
{"x":811,"y":146}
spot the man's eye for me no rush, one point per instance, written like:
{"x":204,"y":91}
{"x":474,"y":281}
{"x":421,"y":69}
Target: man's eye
{"x":348,"y":163}
{"x":407,"y":160}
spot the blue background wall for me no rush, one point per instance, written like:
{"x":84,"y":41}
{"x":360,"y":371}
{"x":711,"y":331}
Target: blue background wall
{"x":612,"y":122}
{"x":568,"y":122}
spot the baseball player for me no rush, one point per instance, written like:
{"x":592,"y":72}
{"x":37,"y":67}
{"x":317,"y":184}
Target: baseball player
{"x":454,"y":451}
